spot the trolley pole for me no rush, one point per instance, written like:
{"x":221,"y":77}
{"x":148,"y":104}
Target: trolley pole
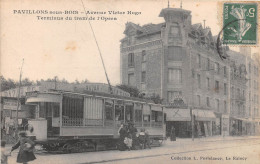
{"x":18,"y":101}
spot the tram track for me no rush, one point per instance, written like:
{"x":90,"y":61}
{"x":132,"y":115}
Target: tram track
{"x":204,"y":149}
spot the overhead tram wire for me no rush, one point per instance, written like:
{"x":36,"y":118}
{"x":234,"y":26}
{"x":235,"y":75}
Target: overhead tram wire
{"x":110,"y":88}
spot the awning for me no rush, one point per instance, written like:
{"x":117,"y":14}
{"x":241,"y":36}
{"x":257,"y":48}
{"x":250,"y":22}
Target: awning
{"x":173,"y":114}
{"x":157,"y":108}
{"x":204,"y":115}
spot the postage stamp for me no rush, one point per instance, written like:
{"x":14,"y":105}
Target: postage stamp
{"x":240,"y":23}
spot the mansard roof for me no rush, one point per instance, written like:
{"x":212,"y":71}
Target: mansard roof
{"x":196,"y":26}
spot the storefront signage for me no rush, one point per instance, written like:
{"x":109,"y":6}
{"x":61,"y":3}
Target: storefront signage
{"x":10,"y":104}
{"x":23,"y":90}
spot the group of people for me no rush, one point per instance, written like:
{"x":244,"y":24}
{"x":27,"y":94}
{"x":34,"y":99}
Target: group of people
{"x":25,"y":152}
{"x":131,"y":139}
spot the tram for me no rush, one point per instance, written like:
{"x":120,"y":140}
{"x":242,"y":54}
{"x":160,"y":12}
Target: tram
{"x":67,"y":121}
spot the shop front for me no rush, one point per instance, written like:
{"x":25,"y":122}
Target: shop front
{"x":203,"y":122}
{"x":179,"y":119}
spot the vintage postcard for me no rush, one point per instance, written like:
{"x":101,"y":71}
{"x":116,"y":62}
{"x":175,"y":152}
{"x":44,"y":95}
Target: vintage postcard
{"x":133,"y":81}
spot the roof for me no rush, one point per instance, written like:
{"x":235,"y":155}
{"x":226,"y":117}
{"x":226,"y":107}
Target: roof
{"x":172,"y":10}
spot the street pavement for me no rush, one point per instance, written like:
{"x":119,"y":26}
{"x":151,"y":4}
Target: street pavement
{"x":215,"y":149}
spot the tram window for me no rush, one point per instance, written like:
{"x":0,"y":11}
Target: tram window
{"x":129,"y":113}
{"x":146,"y":118}
{"x":42,"y":111}
{"x":109,"y":110}
{"x":138,"y":116}
{"x":119,"y":112}
{"x":56,"y":110}
{"x":156,"y":116}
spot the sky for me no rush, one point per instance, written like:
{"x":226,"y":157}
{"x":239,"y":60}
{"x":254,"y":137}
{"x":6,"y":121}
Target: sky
{"x":67,"y":48}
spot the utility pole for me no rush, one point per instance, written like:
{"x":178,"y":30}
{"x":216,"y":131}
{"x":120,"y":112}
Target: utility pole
{"x":55,"y":80}
{"x":18,"y":100}
{"x":191,"y":101}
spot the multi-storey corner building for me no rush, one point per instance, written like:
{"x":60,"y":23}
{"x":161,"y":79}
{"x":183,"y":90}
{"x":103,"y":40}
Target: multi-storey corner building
{"x":179,"y":59}
{"x":239,"y":113}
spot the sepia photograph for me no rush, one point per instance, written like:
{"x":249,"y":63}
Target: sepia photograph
{"x":133,"y":81}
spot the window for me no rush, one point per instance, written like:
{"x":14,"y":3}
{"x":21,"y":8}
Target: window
{"x":208,"y":102}
{"x":217,"y":67}
{"x":173,"y":94}
{"x":143,"y":77}
{"x":225,"y":107}
{"x":174,"y":76}
{"x":225,"y":71}
{"x":175,"y":53}
{"x":208,"y":64}
{"x":217,"y":104}
{"x":225,"y":89}
{"x":198,"y":78}
{"x":232,"y":92}
{"x":199,"y":60}
{"x":208,"y":85}
{"x":109,"y":109}
{"x":198,"y":100}
{"x":131,"y":60}
{"x":131,"y":79}
{"x":249,"y":68}
{"x":175,"y":31}
{"x":217,"y":86}
{"x":143,"y":56}
{"x":119,"y":113}
{"x":238,"y":92}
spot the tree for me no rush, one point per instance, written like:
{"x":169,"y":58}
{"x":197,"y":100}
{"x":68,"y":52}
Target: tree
{"x":156,"y":98}
{"x":133,"y":91}
{"x":7,"y":84}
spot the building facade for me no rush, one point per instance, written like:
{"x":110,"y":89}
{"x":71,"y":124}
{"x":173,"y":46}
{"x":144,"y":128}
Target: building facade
{"x":178,"y":59}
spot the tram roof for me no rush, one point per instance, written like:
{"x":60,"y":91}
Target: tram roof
{"x":104,"y":95}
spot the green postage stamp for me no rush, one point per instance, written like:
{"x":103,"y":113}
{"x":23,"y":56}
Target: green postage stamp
{"x":240,"y":23}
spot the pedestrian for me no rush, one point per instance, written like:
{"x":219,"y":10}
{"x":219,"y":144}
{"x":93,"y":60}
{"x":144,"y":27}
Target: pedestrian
{"x":142,"y":138}
{"x":128,"y":141}
{"x":133,"y":131}
{"x":147,"y":139}
{"x":122,"y":135}
{"x":173,"y":136}
{"x":26,"y":149}
{"x":4,"y":153}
